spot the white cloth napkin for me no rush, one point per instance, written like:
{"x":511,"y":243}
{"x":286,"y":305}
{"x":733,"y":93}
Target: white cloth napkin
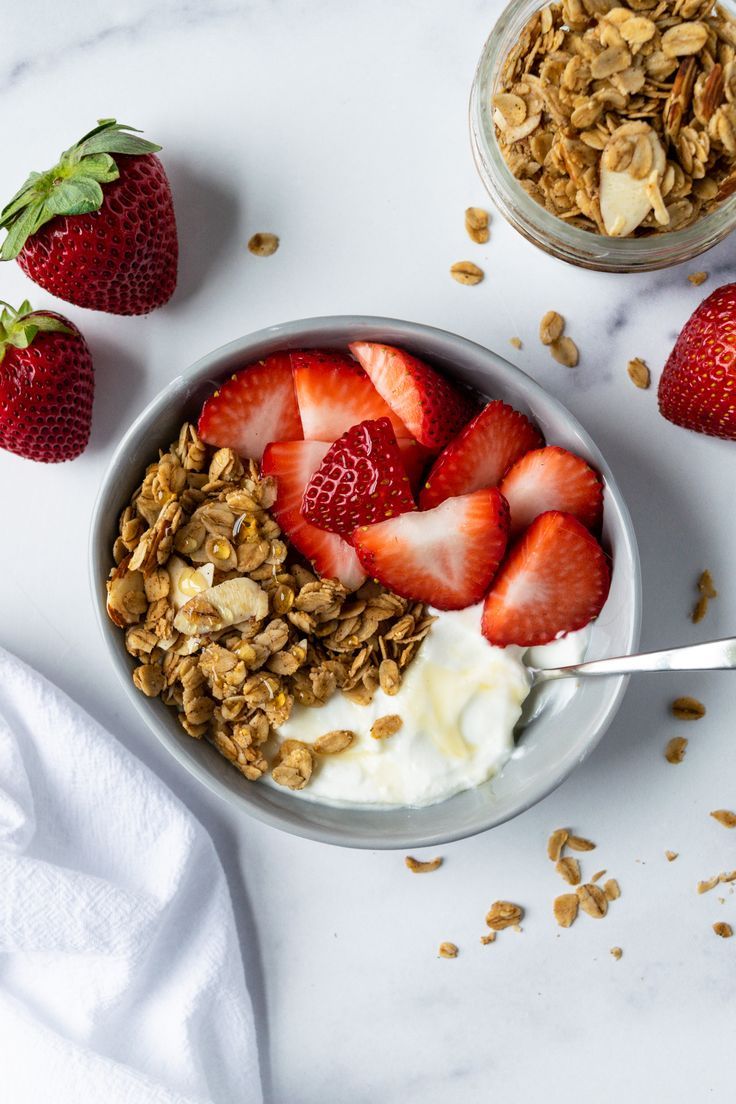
{"x":120,"y":972}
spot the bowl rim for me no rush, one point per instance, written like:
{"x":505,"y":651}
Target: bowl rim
{"x":303,"y":329}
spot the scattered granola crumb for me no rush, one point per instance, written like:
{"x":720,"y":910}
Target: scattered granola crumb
{"x":729,"y":876}
{"x":697,"y":278}
{"x":489,"y":938}
{"x":565,"y":908}
{"x":723,"y":929}
{"x":465,"y":272}
{"x":598,"y":875}
{"x":551,"y":327}
{"x":418,"y":867}
{"x":263,"y":245}
{"x":517,"y":928}
{"x":448,"y":950}
{"x":569,"y":869}
{"x":708,"y":883}
{"x":612,"y":889}
{"x":675,"y":750}
{"x":579,"y":843}
{"x":565,"y":352}
{"x":671,"y":855}
{"x":331,"y":743}
{"x":556,"y":843}
{"x":476,"y":224}
{"x":687,"y":709}
{"x":592,"y":900}
{"x":503,"y":914}
{"x":383,"y":727}
{"x":639,"y":373}
{"x":616,"y":952}
{"x":516,"y":342}
{"x":706,"y":591}
{"x":724,"y":817}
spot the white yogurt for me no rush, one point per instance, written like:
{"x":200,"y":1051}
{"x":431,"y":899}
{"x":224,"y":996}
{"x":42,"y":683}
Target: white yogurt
{"x":459,"y":702}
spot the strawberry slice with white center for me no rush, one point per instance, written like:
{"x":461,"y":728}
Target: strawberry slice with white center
{"x":293,"y":463}
{"x":555,"y":580}
{"x":334,"y":393}
{"x":255,"y":406}
{"x":445,"y":557}
{"x":432,"y":408}
{"x":361,"y":481}
{"x":552,"y":479}
{"x":480,"y":454}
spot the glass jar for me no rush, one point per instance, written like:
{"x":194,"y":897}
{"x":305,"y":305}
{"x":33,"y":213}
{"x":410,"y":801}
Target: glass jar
{"x":551,"y":233}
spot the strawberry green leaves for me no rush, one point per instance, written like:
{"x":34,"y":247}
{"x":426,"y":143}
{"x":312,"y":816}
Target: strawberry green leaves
{"x":19,"y":327}
{"x":71,"y":187}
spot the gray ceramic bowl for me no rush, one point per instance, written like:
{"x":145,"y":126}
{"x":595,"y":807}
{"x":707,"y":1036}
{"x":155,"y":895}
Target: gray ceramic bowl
{"x":551,"y":745}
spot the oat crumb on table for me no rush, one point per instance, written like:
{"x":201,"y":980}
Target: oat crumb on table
{"x":675,"y":750}
{"x":476,"y":224}
{"x":263,"y":244}
{"x":697,"y":278}
{"x":419,"y":867}
{"x":706,"y":592}
{"x":465,"y":272}
{"x":724,"y":817}
{"x":723,"y":929}
{"x":616,"y":952}
{"x":448,"y":950}
{"x":687,"y":709}
{"x":671,"y":855}
{"x":639,"y":373}
{"x":516,"y":342}
{"x":504,"y":914}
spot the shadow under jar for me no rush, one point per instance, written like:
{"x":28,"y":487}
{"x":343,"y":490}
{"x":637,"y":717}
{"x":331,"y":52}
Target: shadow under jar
{"x":549,"y":231}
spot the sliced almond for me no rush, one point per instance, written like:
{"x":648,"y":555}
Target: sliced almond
{"x":513,"y":134}
{"x":126,"y":596}
{"x":639,"y":373}
{"x":626,"y":198}
{"x":223,"y":605}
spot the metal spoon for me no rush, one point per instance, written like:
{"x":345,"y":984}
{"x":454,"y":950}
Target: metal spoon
{"x":714,"y":655}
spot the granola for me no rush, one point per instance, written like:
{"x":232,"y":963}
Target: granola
{"x":230,"y":628}
{"x":621,"y":119}
{"x":476,"y":224}
{"x":263,"y":244}
{"x":465,"y":272}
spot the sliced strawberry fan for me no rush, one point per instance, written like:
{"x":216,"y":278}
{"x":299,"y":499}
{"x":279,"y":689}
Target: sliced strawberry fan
{"x":361,"y":480}
{"x":480,"y":454}
{"x":446,"y":557}
{"x":431,"y":407}
{"x":293,"y":463}
{"x":554,"y":580}
{"x":253,"y":408}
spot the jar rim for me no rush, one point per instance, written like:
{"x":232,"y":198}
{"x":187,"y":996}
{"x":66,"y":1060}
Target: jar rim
{"x":548,"y":231}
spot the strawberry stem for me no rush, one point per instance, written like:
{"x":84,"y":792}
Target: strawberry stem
{"x":72,"y":186}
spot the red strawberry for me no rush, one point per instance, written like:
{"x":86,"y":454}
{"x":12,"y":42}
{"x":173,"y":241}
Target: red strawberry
{"x":334,"y":393}
{"x":432,"y":408}
{"x":415,"y":458}
{"x":554,"y":580}
{"x":361,"y":480}
{"x":446,"y":556}
{"x":552,"y":479}
{"x":254,"y":407}
{"x":480,"y":454}
{"x":697,"y":388}
{"x":46,"y":385}
{"x":98,"y":230}
{"x":293,"y":463}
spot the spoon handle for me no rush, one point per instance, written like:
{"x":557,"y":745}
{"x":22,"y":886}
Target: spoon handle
{"x":714,"y":655}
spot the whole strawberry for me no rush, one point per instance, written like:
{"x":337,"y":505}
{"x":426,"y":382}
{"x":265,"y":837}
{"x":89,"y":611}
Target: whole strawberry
{"x":697,"y":389}
{"x":46,"y":385}
{"x":98,"y":230}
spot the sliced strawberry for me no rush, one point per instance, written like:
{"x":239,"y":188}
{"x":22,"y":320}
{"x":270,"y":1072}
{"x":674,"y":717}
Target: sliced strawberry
{"x":552,"y":479}
{"x":432,"y":408}
{"x":293,"y":463}
{"x":480,"y":454}
{"x":361,"y":481}
{"x":254,"y":407}
{"x":446,"y":556}
{"x":334,"y":393}
{"x":415,"y":458}
{"x":554,"y":580}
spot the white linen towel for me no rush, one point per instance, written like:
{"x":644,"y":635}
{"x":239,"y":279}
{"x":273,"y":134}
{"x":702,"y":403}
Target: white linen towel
{"x":120,"y":972}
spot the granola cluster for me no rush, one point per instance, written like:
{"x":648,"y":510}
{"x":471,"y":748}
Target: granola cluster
{"x":229,"y":628}
{"x":638,"y":97}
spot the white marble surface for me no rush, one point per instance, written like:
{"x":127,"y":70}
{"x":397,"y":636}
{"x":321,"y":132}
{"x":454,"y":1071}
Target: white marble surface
{"x":342,"y":127}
